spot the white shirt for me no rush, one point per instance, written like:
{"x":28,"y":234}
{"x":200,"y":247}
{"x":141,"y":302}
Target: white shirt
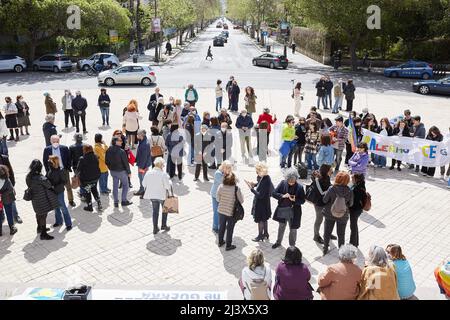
{"x":68,"y":102}
{"x":156,"y":184}
{"x":249,"y":275}
{"x":191,"y":95}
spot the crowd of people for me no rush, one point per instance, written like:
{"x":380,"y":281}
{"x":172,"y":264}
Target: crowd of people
{"x":179,"y":133}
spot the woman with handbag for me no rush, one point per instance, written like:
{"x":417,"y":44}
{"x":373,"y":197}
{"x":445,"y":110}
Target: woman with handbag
{"x":157,"y":144}
{"x":228,"y":194}
{"x":23,"y":115}
{"x":58,"y":180}
{"x":290,"y":196}
{"x":8,"y":197}
{"x":43,"y":197}
{"x":89,"y":172}
{"x":157,"y":184}
{"x":261,"y":209}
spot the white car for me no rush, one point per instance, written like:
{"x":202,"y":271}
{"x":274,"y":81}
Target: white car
{"x":131,"y":73}
{"x":107,"y":57}
{"x":10,"y":62}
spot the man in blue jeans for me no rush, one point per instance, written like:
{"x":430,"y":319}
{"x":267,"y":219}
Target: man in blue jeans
{"x":143,"y":159}
{"x":103,"y":102}
{"x":117,"y":161}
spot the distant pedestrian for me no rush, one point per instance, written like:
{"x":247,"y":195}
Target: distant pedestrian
{"x":219,"y":95}
{"x":168,"y":48}
{"x":10,"y":110}
{"x":293,"y":46}
{"x":79,"y":106}
{"x":104,"y":102}
{"x":297,"y":95}
{"x":209,"y":54}
{"x":191,"y":95}
{"x":23,"y":115}
{"x":66,"y":101}
{"x":349,"y":92}
{"x":50,"y":105}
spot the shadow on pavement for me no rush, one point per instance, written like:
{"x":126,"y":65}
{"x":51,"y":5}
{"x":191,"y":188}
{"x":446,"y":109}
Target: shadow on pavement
{"x":372,"y":220}
{"x":88,"y":222}
{"x":234,"y":261}
{"x":164,"y":244}
{"x":32,"y":77}
{"x":39,"y":249}
{"x":121,"y":218}
{"x":5,"y":243}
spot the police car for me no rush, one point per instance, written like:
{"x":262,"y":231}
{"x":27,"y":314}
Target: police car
{"x":411,"y":69}
{"x":441,"y":86}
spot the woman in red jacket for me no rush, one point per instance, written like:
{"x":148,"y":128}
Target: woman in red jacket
{"x":267,"y":117}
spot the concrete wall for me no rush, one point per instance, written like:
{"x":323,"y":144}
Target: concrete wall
{"x":312,"y":43}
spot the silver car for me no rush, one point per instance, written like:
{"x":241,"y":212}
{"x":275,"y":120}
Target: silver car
{"x":53,"y":62}
{"x":84,"y":64}
{"x":131,"y":73}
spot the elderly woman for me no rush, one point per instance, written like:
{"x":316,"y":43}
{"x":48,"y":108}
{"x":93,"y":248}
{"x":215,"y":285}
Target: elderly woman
{"x":378,"y":280}
{"x":290,"y":196}
{"x":261,"y":209}
{"x":49,"y":128}
{"x":225,"y":168}
{"x":337,"y":199}
{"x":156,"y":184}
{"x":191,"y":95}
{"x":227,"y":195}
{"x":10,"y":110}
{"x":292,"y":278}
{"x":341,"y":280}
{"x":155,"y":109}
{"x":164,"y":115}
{"x":89,"y":173}
{"x":256,"y":278}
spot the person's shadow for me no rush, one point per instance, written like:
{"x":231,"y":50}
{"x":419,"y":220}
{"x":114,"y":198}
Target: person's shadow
{"x":164,"y":244}
{"x":39,"y":249}
{"x":234,"y":261}
{"x":121,"y":218}
{"x":5,"y":243}
{"x":372,"y":220}
{"x":88,"y":222}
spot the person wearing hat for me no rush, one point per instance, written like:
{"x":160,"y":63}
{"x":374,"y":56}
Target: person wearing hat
{"x":79,"y":105}
{"x":50,"y":105}
{"x":339,"y":134}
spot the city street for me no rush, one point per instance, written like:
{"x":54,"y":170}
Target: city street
{"x":116,"y":249}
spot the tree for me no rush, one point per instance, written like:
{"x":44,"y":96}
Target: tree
{"x":46,"y":20}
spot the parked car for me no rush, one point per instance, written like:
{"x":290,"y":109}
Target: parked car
{"x":11,"y":62}
{"x":225,"y":26}
{"x":411,"y":69}
{"x":131,"y":73}
{"x":225,"y":33}
{"x":219,"y":25}
{"x":271,"y":60}
{"x":107,"y":57}
{"x":218,"y":42}
{"x":53,"y":62}
{"x":441,"y":86}
{"x":224,"y":38}
{"x":236,"y":26}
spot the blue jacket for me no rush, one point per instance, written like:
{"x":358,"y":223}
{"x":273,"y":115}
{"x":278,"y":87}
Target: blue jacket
{"x":244,"y":122}
{"x":143,"y":156}
{"x":358,"y":162}
{"x":325,"y":156}
{"x":65,"y":157}
{"x":218,"y":178}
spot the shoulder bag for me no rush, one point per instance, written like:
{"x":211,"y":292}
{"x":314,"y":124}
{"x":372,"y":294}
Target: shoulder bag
{"x":314,"y":192}
{"x":27,"y":195}
{"x":238,"y":211}
{"x":171,"y":203}
{"x":367,"y":205}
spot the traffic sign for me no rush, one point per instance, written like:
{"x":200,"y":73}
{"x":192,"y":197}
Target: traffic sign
{"x":113,"y":36}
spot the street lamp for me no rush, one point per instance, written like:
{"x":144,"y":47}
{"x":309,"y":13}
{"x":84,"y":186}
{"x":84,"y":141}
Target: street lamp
{"x":157,"y":36}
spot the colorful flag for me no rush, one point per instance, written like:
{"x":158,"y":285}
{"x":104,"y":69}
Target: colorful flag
{"x":352,"y":134}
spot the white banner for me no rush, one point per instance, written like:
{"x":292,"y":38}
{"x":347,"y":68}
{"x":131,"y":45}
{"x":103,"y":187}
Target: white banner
{"x":410,"y":150}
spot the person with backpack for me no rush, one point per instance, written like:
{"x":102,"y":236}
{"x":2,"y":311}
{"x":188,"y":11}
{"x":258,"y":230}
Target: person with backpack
{"x":157,"y":144}
{"x":338,"y":199}
{"x":290,"y":195}
{"x":256,"y":278}
{"x":359,"y":201}
{"x":292,"y":278}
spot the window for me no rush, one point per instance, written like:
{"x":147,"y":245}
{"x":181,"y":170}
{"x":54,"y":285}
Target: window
{"x":124,"y":69}
{"x":47,"y":58}
{"x":421,"y":65}
{"x":137,"y":69}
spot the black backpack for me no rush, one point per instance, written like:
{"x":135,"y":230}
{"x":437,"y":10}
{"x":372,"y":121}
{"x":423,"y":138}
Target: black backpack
{"x":302,"y":170}
{"x":238,"y":211}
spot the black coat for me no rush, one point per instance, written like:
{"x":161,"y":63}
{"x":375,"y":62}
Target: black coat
{"x":79,"y":103}
{"x":321,"y":90}
{"x":155,"y":109}
{"x":7,"y":192}
{"x":226,"y":119}
{"x":88,"y":169}
{"x":116,"y":159}
{"x":299,"y":194}
{"x":300,"y":132}
{"x":359,"y":197}
{"x":405,"y":132}
{"x":57,"y":178}
{"x":76,"y":152}
{"x":49,"y":129}
{"x":43,"y":196}
{"x":261,"y":209}
{"x":324,"y":183}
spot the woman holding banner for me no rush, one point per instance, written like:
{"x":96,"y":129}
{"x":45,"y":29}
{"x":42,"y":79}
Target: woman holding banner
{"x":434,"y":134}
{"x":401,"y":130}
